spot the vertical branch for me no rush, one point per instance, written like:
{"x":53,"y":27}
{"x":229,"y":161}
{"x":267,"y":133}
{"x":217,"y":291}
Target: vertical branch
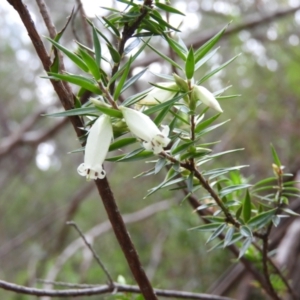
{"x":124,"y":239}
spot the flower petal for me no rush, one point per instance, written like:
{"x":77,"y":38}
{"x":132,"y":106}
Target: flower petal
{"x":96,"y":148}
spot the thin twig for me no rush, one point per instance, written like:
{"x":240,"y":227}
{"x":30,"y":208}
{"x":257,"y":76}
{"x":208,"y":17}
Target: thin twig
{"x":84,"y":24}
{"x":197,"y":40}
{"x":79,"y":196}
{"x":46,"y":17}
{"x":96,"y":257}
{"x":100,"y":229}
{"x":73,"y":24}
{"x":127,"y":33}
{"x":104,"y":289}
{"x":53,"y":32}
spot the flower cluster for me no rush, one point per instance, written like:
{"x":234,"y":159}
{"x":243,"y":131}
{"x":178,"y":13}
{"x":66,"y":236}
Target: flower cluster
{"x":101,"y":134}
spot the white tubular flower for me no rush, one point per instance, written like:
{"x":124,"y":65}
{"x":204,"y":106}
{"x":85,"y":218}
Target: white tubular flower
{"x":96,"y":148}
{"x":144,"y":128}
{"x":159,"y":95}
{"x":205,"y":96}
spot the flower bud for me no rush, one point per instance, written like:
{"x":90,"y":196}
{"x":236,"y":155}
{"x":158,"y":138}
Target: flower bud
{"x":206,"y":97}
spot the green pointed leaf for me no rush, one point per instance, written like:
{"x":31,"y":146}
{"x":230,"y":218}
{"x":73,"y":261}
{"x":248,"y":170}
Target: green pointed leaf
{"x":143,"y":154}
{"x":261,"y":219}
{"x":121,"y":83}
{"x":130,"y":3}
{"x":177,"y":116}
{"x":239,"y":212}
{"x":165,"y":183}
{"x":168,"y":8}
{"x":99,"y":32}
{"x":84,"y":82}
{"x":206,"y":123}
{"x":110,"y":111}
{"x":136,"y":98}
{"x":208,"y":45}
{"x":166,"y":58}
{"x":162,"y":105}
{"x":265,"y":181}
{"x":291,"y":189}
{"x":84,"y":111}
{"x":156,"y":16}
{"x":224,"y":152}
{"x":221,"y":171}
{"x":77,"y":60}
{"x":228,"y":236}
{"x":247,"y":208}
{"x":55,"y":64}
{"x":121,"y":143}
{"x":213,"y":72}
{"x":114,"y":53}
{"x":264,"y":188}
{"x":182,"y":147}
{"x":161,"y":115}
{"x":189,"y":182}
{"x":275,"y":156}
{"x":190,"y":64}
{"x":228,"y":97}
{"x":207,"y":57}
{"x":132,"y":45}
{"x":211,"y":128}
{"x":153,"y":27}
{"x":276,"y":220}
{"x":111,"y":25}
{"x":176,"y":47}
{"x":97,"y":46}
{"x":217,"y":232}
{"x":160,"y":164}
{"x":246,"y":231}
{"x":91,"y":63}
{"x":207,"y":227}
{"x":133,"y":79}
{"x":118,"y":74}
{"x":231,"y":189}
{"x":246,"y":244}
{"x":290,"y":212}
{"x":61,"y":32}
{"x":163,"y":76}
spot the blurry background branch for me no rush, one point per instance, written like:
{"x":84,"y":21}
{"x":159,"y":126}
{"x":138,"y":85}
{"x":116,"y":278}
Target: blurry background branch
{"x":249,"y":23}
{"x":105,"y":289}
